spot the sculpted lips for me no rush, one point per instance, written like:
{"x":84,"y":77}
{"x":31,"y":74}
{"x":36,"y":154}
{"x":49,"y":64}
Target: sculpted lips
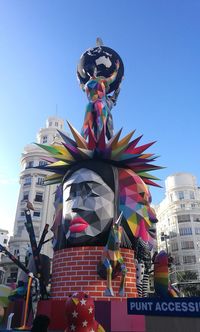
{"x":78,"y":225}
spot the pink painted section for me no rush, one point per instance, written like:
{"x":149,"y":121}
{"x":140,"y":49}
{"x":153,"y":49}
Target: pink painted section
{"x":56,"y":311}
{"x":118,"y":320}
{"x":143,"y":232}
{"x":122,"y":322}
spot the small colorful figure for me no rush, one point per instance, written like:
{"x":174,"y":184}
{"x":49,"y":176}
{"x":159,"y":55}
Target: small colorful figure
{"x":112,"y":260}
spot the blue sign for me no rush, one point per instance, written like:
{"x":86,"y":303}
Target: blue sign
{"x":179,"y":306}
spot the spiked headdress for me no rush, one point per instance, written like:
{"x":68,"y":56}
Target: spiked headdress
{"x":122,"y":153}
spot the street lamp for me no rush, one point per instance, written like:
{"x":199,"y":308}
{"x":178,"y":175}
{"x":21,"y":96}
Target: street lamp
{"x":165,"y":237}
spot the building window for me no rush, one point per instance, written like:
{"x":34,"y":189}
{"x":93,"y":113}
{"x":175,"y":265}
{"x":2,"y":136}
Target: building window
{"x":189,"y":259}
{"x":176,"y":260}
{"x":196,"y":217}
{"x":187,"y":245}
{"x":185,"y":231}
{"x":22,"y":213}
{"x":44,"y":139}
{"x":30,"y":164}
{"x":183,"y":218}
{"x":192,"y":195}
{"x":182,"y":206}
{"x":42,"y":163}
{"x":50,"y":124}
{"x":181,"y":195}
{"x":36,"y":214}
{"x":193,"y":205}
{"x":197,"y":230}
{"x":40,"y":181}
{"x":19,"y":230}
{"x":27,"y":181}
{"x":5,"y":241}
{"x":56,"y":124}
{"x":38,"y":197}
{"x":13,"y":274}
{"x":172,"y":234}
{"x":174,"y":246}
{"x":25,"y":196}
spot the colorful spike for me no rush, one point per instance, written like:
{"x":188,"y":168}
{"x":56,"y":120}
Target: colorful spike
{"x":119,"y":153}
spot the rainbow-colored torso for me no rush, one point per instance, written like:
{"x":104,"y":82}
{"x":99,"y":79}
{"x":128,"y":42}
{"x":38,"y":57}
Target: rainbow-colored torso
{"x":97,"y":109}
{"x":96,"y":89}
{"x":98,"y":113}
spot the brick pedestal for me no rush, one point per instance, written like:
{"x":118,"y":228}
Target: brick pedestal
{"x":75,"y":269}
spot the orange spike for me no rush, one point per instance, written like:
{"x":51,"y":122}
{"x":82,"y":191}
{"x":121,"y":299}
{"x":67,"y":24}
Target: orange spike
{"x":81,"y":142}
{"x":125,"y":140}
{"x":147,"y":155}
{"x":114,"y":140}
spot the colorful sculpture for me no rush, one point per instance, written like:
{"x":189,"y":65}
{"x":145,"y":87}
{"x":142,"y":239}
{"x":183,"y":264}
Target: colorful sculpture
{"x":103,"y":59}
{"x":100,"y":72}
{"x":5,"y":292}
{"x":112,"y":260}
{"x":101,"y":176}
{"x":99,"y":168}
{"x":142,"y":261}
{"x":88,"y":211}
{"x":80,"y":312}
{"x":35,"y":273}
{"x":98,"y":111}
{"x":162,"y":285}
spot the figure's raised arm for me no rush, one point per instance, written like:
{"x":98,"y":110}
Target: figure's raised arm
{"x":82,"y":86}
{"x":112,"y":78}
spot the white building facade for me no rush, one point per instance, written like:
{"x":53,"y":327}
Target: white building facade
{"x":4,"y":238}
{"x":179,"y":222}
{"x":42,"y":197}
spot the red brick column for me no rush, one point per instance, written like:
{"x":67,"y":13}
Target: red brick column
{"x":75,"y":269}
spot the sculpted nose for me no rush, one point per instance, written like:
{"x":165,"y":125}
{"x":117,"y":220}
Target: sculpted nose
{"x":77,"y":203}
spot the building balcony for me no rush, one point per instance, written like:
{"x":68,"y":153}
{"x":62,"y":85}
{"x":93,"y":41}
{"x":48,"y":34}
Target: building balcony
{"x":5,"y":260}
{"x":27,"y":184}
{"x":39,"y":184}
{"x":38,"y":201}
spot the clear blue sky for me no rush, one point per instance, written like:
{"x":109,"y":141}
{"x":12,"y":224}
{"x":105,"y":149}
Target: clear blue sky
{"x":40,"y":46}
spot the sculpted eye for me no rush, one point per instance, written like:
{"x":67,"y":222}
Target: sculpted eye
{"x":71,"y":196}
{"x":92,"y":194}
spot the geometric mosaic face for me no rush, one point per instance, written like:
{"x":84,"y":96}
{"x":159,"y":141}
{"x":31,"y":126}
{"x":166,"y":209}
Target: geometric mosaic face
{"x":135,"y":200}
{"x":88,"y":207}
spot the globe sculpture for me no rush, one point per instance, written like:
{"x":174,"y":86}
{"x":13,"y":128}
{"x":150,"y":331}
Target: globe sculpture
{"x":103,"y":59}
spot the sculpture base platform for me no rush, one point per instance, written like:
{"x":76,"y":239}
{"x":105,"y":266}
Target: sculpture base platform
{"x":112,"y":315}
{"x":75,"y":270}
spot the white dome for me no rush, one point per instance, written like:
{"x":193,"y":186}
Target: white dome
{"x":180,"y":180}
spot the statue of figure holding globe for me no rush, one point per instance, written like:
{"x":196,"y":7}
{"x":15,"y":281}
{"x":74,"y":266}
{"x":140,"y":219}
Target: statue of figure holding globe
{"x":98,"y":111}
{"x":100,"y":72}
